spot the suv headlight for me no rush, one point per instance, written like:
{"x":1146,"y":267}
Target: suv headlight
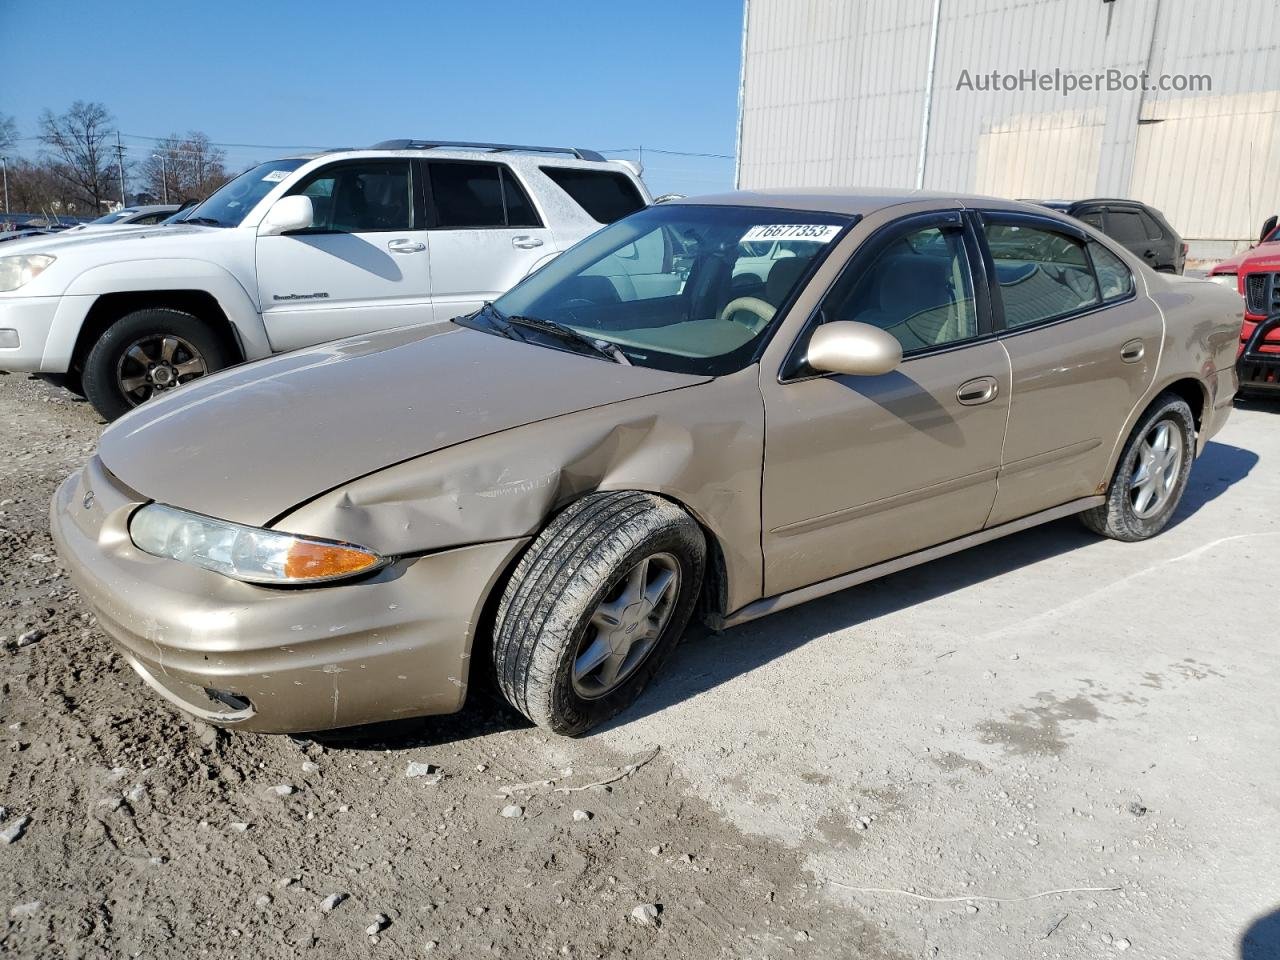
{"x":245,"y":553}
{"x":16,"y":271}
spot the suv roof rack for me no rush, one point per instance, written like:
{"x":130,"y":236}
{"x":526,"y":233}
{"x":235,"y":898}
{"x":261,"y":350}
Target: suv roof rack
{"x":578,"y":152}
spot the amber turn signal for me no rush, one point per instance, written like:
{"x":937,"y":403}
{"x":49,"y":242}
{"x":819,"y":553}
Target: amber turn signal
{"x":308,"y":560}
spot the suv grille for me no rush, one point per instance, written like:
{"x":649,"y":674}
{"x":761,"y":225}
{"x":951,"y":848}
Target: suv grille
{"x":1262,"y":294}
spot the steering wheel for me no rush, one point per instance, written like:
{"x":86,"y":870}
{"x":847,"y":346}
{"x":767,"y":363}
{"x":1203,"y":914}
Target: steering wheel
{"x":764,"y":311}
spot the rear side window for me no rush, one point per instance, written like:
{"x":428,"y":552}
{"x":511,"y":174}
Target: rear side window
{"x":605,"y":195}
{"x":479,"y":195}
{"x":1042,"y":274}
{"x":1126,"y":226}
{"x":1113,"y":276}
{"x":1151,"y":226}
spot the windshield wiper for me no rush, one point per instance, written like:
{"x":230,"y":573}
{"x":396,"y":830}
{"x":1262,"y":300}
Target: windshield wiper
{"x":494,"y":320}
{"x":567,"y":334}
{"x":205,"y":220}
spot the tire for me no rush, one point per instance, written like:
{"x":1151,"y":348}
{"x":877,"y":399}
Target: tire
{"x":1124,"y":516}
{"x":110,"y":366}
{"x":577,"y":574}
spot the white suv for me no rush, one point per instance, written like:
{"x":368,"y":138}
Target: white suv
{"x":295,"y":252}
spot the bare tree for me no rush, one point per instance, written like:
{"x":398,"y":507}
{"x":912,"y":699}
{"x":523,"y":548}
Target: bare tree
{"x":8,"y":133}
{"x":40,"y":187}
{"x":183,"y":168}
{"x":76,"y":141}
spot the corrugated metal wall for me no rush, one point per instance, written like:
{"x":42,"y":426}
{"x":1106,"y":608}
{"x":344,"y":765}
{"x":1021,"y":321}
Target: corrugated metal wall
{"x":835,"y":93}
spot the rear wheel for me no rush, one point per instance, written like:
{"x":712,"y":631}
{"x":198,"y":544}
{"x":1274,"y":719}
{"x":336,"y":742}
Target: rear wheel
{"x":594,"y":608}
{"x":147,"y":353}
{"x":1151,"y":476}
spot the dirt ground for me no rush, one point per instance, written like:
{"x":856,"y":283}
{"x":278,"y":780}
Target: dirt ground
{"x":1051,"y":712}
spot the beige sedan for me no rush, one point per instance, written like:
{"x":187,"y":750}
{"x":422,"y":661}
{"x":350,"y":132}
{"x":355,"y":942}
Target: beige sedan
{"x":715,"y":408}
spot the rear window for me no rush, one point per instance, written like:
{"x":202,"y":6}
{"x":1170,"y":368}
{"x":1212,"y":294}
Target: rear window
{"x":605,"y":195}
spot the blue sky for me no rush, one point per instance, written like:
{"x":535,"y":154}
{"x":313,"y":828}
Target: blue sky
{"x":662,"y":74}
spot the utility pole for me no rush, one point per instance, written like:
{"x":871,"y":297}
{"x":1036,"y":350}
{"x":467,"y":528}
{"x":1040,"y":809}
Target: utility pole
{"x":164,"y":174}
{"x":124,"y":201}
{"x":4,"y":165}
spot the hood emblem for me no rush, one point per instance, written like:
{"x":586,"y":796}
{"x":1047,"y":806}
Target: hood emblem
{"x":88,"y":500}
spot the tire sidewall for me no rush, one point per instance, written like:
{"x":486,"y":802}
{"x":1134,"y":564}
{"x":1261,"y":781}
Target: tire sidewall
{"x":99,"y":379}
{"x":1120,"y":507}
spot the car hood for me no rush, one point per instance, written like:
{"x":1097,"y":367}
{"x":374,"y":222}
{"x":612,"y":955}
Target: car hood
{"x":1270,"y":249}
{"x":127,"y":235}
{"x":1264,"y":258}
{"x":253,"y":442}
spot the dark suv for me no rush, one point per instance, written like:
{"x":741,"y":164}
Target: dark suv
{"x":1141,"y":228}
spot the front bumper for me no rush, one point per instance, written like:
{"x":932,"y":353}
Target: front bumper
{"x":396,"y":644}
{"x":25,"y":323}
{"x":1259,"y":362}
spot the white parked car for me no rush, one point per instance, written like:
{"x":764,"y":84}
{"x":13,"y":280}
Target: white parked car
{"x":147,"y":215}
{"x":295,"y":252}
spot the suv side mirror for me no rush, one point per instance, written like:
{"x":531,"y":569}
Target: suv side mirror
{"x":1268,"y":227}
{"x":286,"y":215}
{"x":856,"y":349}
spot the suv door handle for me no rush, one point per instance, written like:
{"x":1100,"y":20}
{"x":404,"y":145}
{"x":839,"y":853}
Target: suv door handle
{"x":1150,"y":254}
{"x":406,"y":246}
{"x":1133,"y":351}
{"x":526,"y":243}
{"x":979,"y":390}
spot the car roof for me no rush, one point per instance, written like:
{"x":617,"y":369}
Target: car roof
{"x":849,"y":201}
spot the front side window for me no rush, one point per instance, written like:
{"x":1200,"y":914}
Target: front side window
{"x":470,"y":195}
{"x":1041,"y":274}
{"x":918,"y":288}
{"x":365,"y":197}
{"x":231,"y":203}
{"x":678,"y":286}
{"x":605,"y":195}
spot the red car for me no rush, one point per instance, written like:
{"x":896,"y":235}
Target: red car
{"x":1228,"y":270}
{"x":1259,"y":283}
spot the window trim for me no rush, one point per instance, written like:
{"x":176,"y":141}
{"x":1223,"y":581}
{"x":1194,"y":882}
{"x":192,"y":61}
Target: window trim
{"x":318,"y":173}
{"x":1054,"y":226}
{"x":431,"y":217}
{"x":794,"y":369}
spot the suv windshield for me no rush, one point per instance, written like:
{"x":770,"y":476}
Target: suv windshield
{"x":680,"y":287}
{"x":231,"y":202}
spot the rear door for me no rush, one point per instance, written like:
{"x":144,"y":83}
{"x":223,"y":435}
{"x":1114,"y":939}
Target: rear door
{"x":1083,"y":345}
{"x":485,"y":233}
{"x":361,"y":266}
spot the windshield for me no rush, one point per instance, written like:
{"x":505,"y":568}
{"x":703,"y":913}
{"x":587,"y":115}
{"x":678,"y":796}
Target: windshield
{"x":231,"y":202}
{"x":680,"y":287}
{"x":113,"y":217}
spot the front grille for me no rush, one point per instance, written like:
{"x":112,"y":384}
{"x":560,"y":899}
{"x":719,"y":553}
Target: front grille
{"x":1262,"y":294}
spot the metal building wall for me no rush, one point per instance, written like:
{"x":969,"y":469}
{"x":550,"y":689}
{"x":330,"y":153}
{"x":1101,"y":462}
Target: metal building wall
{"x":836,"y":92}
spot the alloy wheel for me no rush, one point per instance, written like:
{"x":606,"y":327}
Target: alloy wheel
{"x":1156,"y":470}
{"x":625,"y":627}
{"x":157,"y":363}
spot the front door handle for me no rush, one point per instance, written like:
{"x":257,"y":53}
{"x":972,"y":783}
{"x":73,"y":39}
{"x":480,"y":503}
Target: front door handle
{"x":526,"y":243}
{"x":406,"y":246}
{"x":1133,"y":351}
{"x":979,"y":390}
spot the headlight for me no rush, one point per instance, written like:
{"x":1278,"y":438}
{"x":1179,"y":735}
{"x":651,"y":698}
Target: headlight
{"x":15,"y":271}
{"x":245,"y":553}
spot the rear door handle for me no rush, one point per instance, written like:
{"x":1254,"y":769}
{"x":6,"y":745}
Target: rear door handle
{"x":406,"y":246}
{"x":979,"y":390}
{"x":1133,"y":351}
{"x":526,"y":243}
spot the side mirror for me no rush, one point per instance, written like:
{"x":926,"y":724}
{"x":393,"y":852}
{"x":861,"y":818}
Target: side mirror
{"x":1268,"y":227}
{"x":856,"y":349}
{"x":288,"y":214}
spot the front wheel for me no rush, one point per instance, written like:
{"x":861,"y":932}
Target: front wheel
{"x":594,"y":608}
{"x":147,"y":353}
{"x":1151,"y":476}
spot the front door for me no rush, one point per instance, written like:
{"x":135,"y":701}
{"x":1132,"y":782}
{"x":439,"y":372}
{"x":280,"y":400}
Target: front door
{"x":486,"y":234}
{"x":362,"y":266}
{"x":859,"y":470}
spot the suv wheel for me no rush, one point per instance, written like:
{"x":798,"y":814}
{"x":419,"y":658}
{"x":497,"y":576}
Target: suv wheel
{"x":1151,"y":475}
{"x":594,"y":608}
{"x":146,"y":353}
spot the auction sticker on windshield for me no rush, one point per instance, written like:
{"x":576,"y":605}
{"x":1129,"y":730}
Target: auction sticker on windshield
{"x":815,"y":232}
{"x":275,"y":176}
